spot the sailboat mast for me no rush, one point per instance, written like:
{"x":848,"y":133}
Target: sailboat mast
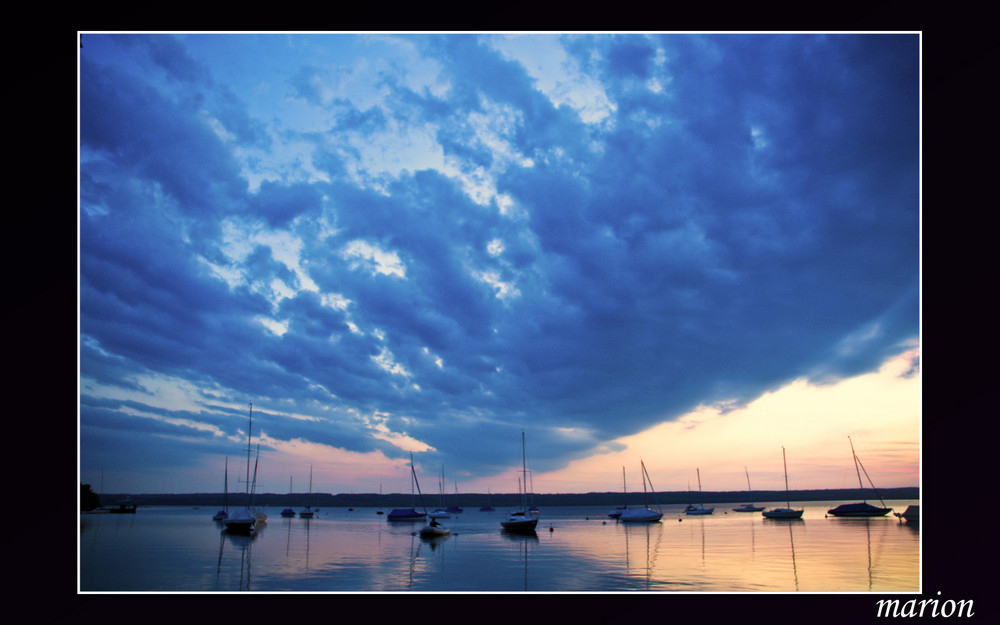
{"x":624,"y":488}
{"x":524,"y":470}
{"x":698,"y":471}
{"x":858,"y":471}
{"x":784,"y":464}
{"x":249,"y":446}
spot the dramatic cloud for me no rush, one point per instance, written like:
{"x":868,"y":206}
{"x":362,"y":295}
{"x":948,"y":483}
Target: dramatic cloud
{"x":403,"y":242}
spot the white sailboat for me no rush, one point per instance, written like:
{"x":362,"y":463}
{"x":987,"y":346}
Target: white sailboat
{"x":243,"y":521}
{"x":787,"y":512}
{"x":521,"y":520}
{"x":308,"y":512}
{"x":700,"y":508}
{"x":748,"y":507}
{"x":644,"y":514}
{"x":440,"y":512}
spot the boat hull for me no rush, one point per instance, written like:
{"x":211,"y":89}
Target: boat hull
{"x":911,"y":514}
{"x":699,"y":511}
{"x":782,"y":513}
{"x":858,"y":510}
{"x":748,"y":508}
{"x":640,"y":516}
{"x":241,"y":522}
{"x":519,"y":523}
{"x":433,"y":532}
{"x":406,"y":514}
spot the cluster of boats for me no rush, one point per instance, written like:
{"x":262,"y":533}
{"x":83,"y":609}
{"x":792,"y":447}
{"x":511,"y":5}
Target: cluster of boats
{"x":525,"y":519}
{"x":645,"y":514}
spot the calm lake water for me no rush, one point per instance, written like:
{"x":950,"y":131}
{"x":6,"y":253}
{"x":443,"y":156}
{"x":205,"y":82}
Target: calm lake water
{"x":575,"y":549}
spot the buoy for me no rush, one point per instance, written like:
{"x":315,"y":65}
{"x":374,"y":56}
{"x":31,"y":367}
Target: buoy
{"x":551,"y":529}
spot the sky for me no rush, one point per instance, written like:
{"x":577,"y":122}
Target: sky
{"x":689,"y":250}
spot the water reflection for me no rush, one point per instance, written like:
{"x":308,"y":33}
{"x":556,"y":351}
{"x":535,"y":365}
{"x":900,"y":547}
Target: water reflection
{"x":243,"y":542}
{"x":641,"y":535}
{"x":790,"y":522}
{"x":524,"y":541}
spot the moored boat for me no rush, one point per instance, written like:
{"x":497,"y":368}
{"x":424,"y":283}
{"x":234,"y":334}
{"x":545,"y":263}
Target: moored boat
{"x":222,"y":514}
{"x":521,"y":520}
{"x":911,"y":514}
{"x":409,"y":514}
{"x":644,"y":514}
{"x":748,"y":507}
{"x":788,"y":512}
{"x":861,"y":508}
{"x":700,"y":508}
{"x":244,"y":521}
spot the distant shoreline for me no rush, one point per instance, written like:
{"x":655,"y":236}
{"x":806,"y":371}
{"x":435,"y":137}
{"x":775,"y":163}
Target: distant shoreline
{"x":476,"y":500}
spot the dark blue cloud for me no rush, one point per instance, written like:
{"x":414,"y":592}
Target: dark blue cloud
{"x":751,"y":220}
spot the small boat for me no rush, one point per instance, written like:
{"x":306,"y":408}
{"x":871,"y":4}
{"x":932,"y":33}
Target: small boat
{"x":748,"y":507}
{"x":644,"y":514}
{"x":434,"y":529}
{"x":911,"y":514}
{"x":700,"y":508}
{"x":308,"y":512}
{"x":451,"y":509}
{"x":380,"y":510}
{"x":520,"y":520}
{"x":244,"y":521}
{"x":288,"y":512}
{"x":617,"y":512}
{"x":405,"y":514}
{"x":861,"y":508}
{"x":408,"y":514}
{"x":125,"y":506}
{"x":440,"y":512}
{"x":489,"y":506}
{"x":224,"y":512}
{"x":788,"y":512}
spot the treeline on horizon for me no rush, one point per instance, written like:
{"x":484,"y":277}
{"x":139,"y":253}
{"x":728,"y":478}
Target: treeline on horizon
{"x":505,"y":500}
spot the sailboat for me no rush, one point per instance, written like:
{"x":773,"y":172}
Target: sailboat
{"x":451,"y":509}
{"x":408,"y":514}
{"x":440,"y":512}
{"x":433,"y":529}
{"x":242,"y":521}
{"x":308,"y":512}
{"x":786,"y":512}
{"x":644,"y":515}
{"x":862,"y":508}
{"x":700,"y":508}
{"x":520,"y":520}
{"x":222,"y":514}
{"x":288,"y":512}
{"x":618,"y":510}
{"x":489,"y":506}
{"x":380,"y":510}
{"x":748,"y":507}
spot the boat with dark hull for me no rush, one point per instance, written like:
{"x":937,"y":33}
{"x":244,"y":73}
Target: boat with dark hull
{"x":787,"y":512}
{"x":520,"y":520}
{"x":861,"y":508}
